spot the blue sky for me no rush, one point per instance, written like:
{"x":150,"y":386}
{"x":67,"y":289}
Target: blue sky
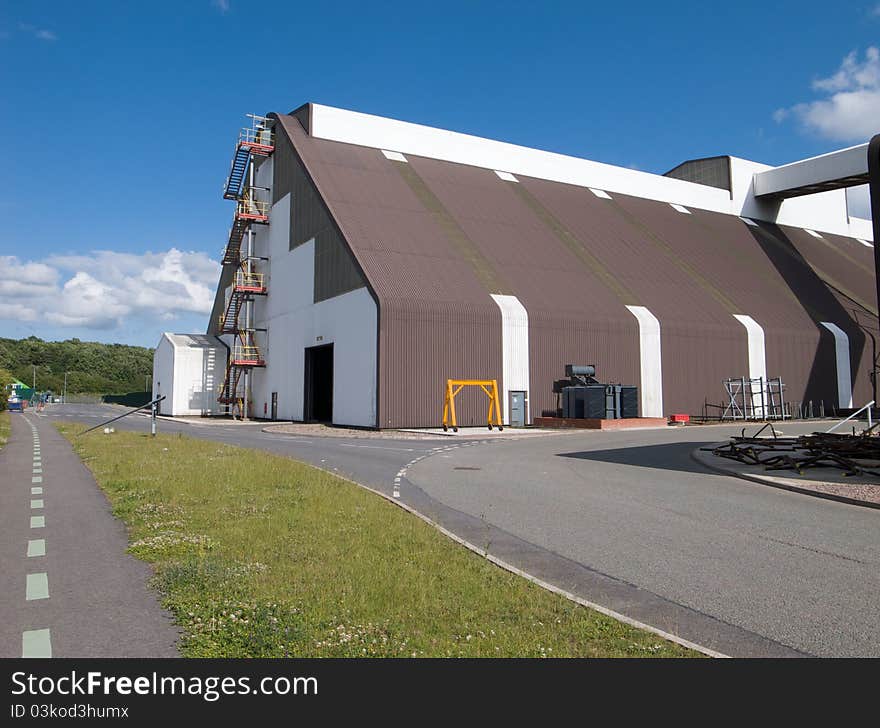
{"x":119,"y":118}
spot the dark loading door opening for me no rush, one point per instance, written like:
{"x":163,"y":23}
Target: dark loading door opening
{"x":319,"y":384}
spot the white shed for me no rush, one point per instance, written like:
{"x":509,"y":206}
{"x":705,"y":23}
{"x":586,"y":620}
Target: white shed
{"x":188,"y":369}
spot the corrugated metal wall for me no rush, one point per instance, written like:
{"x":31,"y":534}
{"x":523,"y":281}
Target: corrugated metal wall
{"x":425,"y":342}
{"x":713,"y":171}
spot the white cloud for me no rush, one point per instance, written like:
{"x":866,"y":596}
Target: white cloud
{"x":19,"y":312}
{"x":850,"y":109}
{"x":38,"y":33}
{"x":107,"y":289}
{"x":221,"y":5}
{"x":26,"y":280}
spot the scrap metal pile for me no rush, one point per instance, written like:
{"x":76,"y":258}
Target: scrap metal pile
{"x":855,"y":454}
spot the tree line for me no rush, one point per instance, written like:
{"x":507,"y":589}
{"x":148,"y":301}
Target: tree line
{"x":92,"y":367}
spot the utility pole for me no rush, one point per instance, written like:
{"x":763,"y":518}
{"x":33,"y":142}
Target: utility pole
{"x":248,"y":306}
{"x":35,"y":377}
{"x":64,"y":396}
{"x":874,"y":190}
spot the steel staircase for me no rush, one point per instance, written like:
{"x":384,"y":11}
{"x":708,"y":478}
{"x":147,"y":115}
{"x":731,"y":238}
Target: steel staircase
{"x":244,"y":353}
{"x":235,"y":180}
{"x":232,"y":254}
{"x":229,"y":388}
{"x":229,"y":318}
{"x":256,"y":140}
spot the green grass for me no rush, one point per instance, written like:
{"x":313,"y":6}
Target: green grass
{"x":260,"y":555}
{"x":5,"y":427}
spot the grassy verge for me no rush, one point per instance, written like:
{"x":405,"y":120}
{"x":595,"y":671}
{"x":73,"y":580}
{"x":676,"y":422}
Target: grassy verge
{"x":259,"y":555}
{"x":5,"y":427}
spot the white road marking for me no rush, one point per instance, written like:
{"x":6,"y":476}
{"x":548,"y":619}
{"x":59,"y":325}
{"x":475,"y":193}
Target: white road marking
{"x":37,"y":479}
{"x":36,"y":547}
{"x":38,"y":521}
{"x":37,"y":586}
{"x":402,"y":472}
{"x":38,"y":503}
{"x":36,"y":643}
{"x":379,"y":447}
{"x":37,"y":490}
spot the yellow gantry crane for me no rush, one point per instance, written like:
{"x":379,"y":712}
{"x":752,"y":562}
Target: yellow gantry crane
{"x":454,"y":386}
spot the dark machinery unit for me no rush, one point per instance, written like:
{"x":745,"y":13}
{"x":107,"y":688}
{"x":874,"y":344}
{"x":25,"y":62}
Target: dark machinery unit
{"x":629,"y":401}
{"x":582,"y":397}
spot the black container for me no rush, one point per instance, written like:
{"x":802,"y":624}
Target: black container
{"x":629,"y":401}
{"x":600,"y":402}
{"x":584,"y":402}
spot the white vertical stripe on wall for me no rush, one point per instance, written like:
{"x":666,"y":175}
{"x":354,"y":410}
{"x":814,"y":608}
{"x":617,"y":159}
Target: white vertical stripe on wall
{"x":844,"y":377}
{"x":757,"y":357}
{"x":515,"y":351}
{"x":650,"y":362}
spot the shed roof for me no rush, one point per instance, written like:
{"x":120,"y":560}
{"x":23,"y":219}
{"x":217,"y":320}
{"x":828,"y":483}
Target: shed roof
{"x":193,"y":341}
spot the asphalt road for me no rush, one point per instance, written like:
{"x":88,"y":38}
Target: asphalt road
{"x":67,"y":587}
{"x":627,"y":520}
{"x":801,"y":571}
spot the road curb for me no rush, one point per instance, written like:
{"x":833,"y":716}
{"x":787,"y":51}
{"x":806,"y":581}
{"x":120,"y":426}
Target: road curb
{"x":703,"y":459}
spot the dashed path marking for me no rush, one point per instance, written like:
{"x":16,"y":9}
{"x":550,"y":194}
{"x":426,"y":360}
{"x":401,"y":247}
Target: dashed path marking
{"x":37,"y":586}
{"x":401,"y":474}
{"x":379,"y":447}
{"x":36,"y":643}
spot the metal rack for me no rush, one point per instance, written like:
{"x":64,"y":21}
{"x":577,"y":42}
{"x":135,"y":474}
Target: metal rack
{"x":755,"y":398}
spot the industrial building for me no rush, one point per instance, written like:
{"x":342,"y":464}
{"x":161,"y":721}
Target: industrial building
{"x":370,"y":260}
